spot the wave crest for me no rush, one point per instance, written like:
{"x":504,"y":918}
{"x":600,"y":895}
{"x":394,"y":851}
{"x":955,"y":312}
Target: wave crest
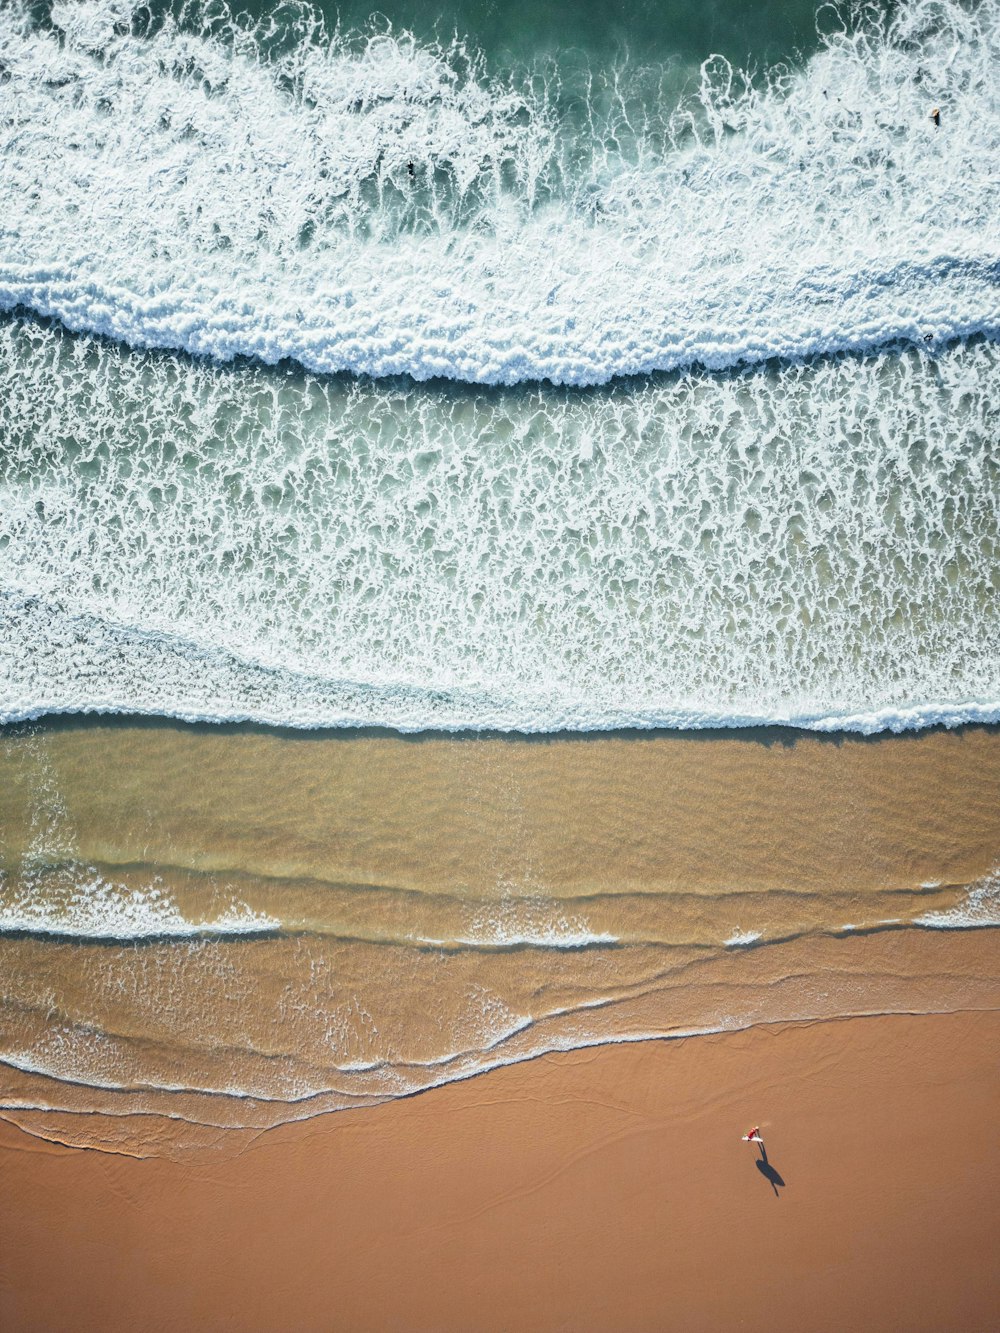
{"x":372,"y":205}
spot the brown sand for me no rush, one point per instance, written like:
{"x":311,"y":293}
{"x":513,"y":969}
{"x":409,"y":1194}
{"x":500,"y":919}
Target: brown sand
{"x":600,"y":1189}
{"x":192,"y":1034}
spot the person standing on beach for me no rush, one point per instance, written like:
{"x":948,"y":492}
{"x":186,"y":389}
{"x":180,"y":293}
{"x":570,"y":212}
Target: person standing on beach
{"x":754,"y":1136}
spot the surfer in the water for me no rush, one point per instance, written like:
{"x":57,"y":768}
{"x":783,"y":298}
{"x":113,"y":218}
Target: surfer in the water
{"x":936,"y":117}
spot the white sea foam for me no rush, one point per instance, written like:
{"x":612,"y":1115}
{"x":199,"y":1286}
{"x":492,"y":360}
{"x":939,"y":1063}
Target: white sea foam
{"x":77,"y":901}
{"x":979,"y":907}
{"x":742,"y":939}
{"x":532,"y":923}
{"x":382,"y":207}
{"x":809,"y":545}
{"x":46,"y":889}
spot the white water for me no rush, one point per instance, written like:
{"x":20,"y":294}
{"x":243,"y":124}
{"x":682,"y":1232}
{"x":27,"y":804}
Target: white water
{"x":75,"y":901}
{"x":980,"y":907}
{"x":811,"y":543}
{"x":814,"y":545}
{"x":180,"y":191}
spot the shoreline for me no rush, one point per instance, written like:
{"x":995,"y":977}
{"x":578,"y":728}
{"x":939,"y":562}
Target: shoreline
{"x":762,"y":732}
{"x":899,"y":974}
{"x":891,"y":721}
{"x":425,"y":904}
{"x":591,"y":1189}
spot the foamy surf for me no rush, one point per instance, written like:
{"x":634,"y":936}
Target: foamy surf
{"x":979,"y":908}
{"x":180,"y":540}
{"x":797,"y":525}
{"x":812,"y":543}
{"x":378,"y":206}
{"x":78,"y":902}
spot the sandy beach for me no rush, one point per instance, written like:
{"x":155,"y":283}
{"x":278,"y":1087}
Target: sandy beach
{"x":596,"y":1189}
{"x":499,"y":666}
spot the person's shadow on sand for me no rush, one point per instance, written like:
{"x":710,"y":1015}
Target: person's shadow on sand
{"x":768,"y":1171}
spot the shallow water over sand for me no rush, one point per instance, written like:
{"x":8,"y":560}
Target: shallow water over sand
{"x":234,"y":927}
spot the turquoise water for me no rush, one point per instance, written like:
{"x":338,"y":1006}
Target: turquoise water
{"x":745,"y":31}
{"x":519,"y":369}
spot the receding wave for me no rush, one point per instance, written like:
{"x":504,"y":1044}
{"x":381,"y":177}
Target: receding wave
{"x":231,"y":1034}
{"x":76,"y":901}
{"x":238,"y":928}
{"x":371,"y":204}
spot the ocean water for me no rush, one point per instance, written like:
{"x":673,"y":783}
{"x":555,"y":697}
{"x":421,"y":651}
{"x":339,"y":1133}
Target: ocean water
{"x":601,"y":372}
{"x":381,"y":207}
{"x":352,"y":376}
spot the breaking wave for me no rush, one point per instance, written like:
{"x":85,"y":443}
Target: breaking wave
{"x":809,"y":541}
{"x":368,"y":203}
{"x":808,"y":545}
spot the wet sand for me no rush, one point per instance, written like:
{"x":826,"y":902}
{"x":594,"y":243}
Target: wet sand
{"x":421,"y":899}
{"x":599,"y":1189}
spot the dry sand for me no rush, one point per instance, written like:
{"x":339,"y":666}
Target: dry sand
{"x":599,"y":1189}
